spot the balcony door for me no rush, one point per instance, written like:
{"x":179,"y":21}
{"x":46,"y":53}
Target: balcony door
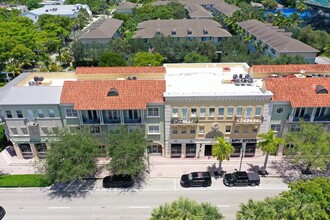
{"x":299,"y":112}
{"x":319,"y":112}
{"x":92,"y":114}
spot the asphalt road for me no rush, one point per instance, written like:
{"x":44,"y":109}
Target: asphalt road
{"x":136,"y":203}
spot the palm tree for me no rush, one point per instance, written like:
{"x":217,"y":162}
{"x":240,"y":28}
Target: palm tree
{"x":222,"y":150}
{"x":257,"y":210}
{"x":269,"y":144}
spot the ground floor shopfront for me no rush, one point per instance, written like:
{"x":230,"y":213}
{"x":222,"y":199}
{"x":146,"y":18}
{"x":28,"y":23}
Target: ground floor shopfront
{"x":203,"y":148}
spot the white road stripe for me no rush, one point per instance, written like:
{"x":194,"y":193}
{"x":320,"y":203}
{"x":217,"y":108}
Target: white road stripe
{"x":223,"y":206}
{"x":63,"y":207}
{"x":139,"y":207}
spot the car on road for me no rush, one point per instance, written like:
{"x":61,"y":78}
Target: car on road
{"x":118,"y":181}
{"x":241,"y":178}
{"x":2,"y":212}
{"x":196,"y":179}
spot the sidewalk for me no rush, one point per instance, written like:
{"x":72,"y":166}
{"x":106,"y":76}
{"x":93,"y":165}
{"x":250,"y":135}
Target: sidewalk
{"x":161,"y":167}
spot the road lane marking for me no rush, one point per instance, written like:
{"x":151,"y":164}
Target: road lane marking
{"x":59,"y":207}
{"x":223,"y":206}
{"x":139,"y":207}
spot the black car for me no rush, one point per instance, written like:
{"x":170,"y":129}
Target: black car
{"x":241,"y":178}
{"x":118,"y":181}
{"x":2,"y":212}
{"x":196,"y":179}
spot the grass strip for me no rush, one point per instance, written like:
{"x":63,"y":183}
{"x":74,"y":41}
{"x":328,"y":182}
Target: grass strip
{"x":24,"y":180}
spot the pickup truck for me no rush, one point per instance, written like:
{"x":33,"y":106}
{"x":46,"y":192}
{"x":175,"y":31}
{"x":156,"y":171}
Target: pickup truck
{"x":241,"y":178}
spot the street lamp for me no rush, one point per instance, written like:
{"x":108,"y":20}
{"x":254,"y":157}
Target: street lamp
{"x":242,"y":155}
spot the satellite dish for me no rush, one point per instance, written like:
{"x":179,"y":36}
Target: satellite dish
{"x":302,"y":71}
{"x":235,"y":76}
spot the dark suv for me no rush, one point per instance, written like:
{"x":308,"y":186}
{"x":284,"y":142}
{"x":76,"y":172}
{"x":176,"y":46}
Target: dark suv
{"x":118,"y":181}
{"x":2,"y":212}
{"x":196,"y":179}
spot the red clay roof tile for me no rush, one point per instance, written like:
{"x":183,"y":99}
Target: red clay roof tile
{"x":92,"y":95}
{"x":291,"y":68}
{"x":120,"y":70}
{"x":301,"y":92}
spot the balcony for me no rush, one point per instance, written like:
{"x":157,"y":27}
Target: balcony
{"x":292,"y":118}
{"x":249,"y":120}
{"x":112,"y":121}
{"x":91,"y":120}
{"x":30,"y":122}
{"x":180,"y":121}
{"x":132,"y":120}
{"x":324,"y":118}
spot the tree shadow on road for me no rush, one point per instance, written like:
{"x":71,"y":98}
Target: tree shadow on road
{"x":74,"y":189}
{"x":286,"y":169}
{"x":214,"y":170}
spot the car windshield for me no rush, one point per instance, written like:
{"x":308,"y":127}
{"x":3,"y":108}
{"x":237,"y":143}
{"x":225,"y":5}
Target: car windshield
{"x":190,"y":177}
{"x":233,"y":176}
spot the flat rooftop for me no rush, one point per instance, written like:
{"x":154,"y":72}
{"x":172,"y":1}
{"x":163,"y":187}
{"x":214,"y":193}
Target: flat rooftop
{"x":211,"y":79}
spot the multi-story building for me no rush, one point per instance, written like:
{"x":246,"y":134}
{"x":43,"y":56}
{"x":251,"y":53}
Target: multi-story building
{"x":35,"y":105}
{"x":297,"y":99}
{"x":205,"y":101}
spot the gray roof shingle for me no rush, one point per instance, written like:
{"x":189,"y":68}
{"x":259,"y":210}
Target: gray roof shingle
{"x":105,"y":30}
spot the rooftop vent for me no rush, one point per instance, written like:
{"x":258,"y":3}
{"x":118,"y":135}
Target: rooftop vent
{"x":32,"y":83}
{"x":113,"y":92}
{"x":132,"y":78}
{"x":321,"y":90}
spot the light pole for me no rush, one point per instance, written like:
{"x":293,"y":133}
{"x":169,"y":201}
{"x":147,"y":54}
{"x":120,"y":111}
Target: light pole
{"x":242,"y":155}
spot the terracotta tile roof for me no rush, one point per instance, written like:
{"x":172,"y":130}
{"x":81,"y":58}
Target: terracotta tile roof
{"x":119,"y":70}
{"x":301,"y":92}
{"x":92,"y":95}
{"x":291,"y":68}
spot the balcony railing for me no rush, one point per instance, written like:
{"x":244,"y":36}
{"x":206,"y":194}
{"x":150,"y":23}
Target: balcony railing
{"x":30,"y":122}
{"x":184,"y":121}
{"x":248,"y":120}
{"x":91,"y":120}
{"x":111,"y":121}
{"x":324,"y":118}
{"x":132,"y":120}
{"x":293,"y":118}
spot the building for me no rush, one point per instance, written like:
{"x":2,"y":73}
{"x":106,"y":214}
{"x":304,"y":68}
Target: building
{"x":204,"y":30}
{"x":35,"y":105}
{"x":70,"y":11}
{"x":296,"y":99}
{"x":204,"y":101}
{"x":125,"y":7}
{"x":197,"y":11}
{"x":275,"y":42}
{"x":102,"y":33}
{"x":222,"y":9}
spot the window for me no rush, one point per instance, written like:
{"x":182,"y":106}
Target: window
{"x":239,"y":111}
{"x":202,"y":112}
{"x":230,"y":111}
{"x":51,"y":113}
{"x":255,"y":129}
{"x":211,"y":112}
{"x":228,"y":128}
{"x":248,"y":112}
{"x":189,"y":31}
{"x":19,"y":113}
{"x":8,"y":113}
{"x":153,"y":112}
{"x":201,"y":130}
{"x":95,"y":129}
{"x":173,"y":32}
{"x":30,"y":114}
{"x":183,"y":130}
{"x":153,"y":129}
{"x":24,"y":130}
{"x":221,"y":111}
{"x":14,"y":131}
{"x":41,"y":113}
{"x":299,"y":112}
{"x":193,"y":112}
{"x":275,"y":127}
{"x":115,"y":114}
{"x":175,"y":112}
{"x":45,"y":130}
{"x":258,"y":111}
{"x":174,"y":130}
{"x":71,"y":113}
{"x":192,"y":130}
{"x":184,"y":113}
{"x":294,"y":127}
{"x":246,"y":129}
{"x":236,"y":131}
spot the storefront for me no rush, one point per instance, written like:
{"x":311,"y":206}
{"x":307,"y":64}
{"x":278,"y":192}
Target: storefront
{"x":248,"y":145}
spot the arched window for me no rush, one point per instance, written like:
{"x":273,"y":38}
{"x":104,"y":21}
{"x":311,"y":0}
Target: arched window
{"x":113,"y":92}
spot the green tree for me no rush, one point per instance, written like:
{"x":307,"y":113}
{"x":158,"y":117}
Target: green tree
{"x":148,"y":59}
{"x":127,"y":151}
{"x":184,"y":209}
{"x":111,"y":59}
{"x":194,"y":57}
{"x":71,"y":156}
{"x":269,"y":145}
{"x":269,"y":4}
{"x":222,"y":150}
{"x":310,"y":146}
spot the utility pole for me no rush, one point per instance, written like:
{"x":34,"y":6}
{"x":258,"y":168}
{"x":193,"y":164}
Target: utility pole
{"x":242,"y":156}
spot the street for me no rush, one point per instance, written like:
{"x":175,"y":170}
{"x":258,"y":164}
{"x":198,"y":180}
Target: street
{"x":136,"y":203}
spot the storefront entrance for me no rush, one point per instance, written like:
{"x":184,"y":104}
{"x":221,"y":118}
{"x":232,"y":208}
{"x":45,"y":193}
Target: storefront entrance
{"x":190,"y":150}
{"x":208,"y":150}
{"x":175,"y":150}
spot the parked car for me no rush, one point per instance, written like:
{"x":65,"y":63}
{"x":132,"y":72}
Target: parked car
{"x":2,"y":212}
{"x":241,"y":178}
{"x":196,"y":179}
{"x":118,"y":181}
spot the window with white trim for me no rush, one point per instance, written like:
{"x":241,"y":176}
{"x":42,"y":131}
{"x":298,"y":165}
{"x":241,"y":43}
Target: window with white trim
{"x":221,"y":111}
{"x":174,"y":130}
{"x":183,"y":130}
{"x":275,"y":127}
{"x":228,"y":129}
{"x":45,"y":130}
{"x":201,"y":130}
{"x":19,"y":113}
{"x":175,"y":112}
{"x":24,"y":131}
{"x":211,"y":112}
{"x":202,"y":112}
{"x":153,"y":112}
{"x":40,"y":113}
{"x":230,"y":111}
{"x":236,"y":130}
{"x":14,"y":131}
{"x":8,"y":113}
{"x":51,"y":113}
{"x":184,"y":113}
{"x":71,"y":113}
{"x":239,"y":111}
{"x":192,"y":130}
{"x":248,"y":112}
{"x":258,"y":111}
{"x":153,"y":129}
{"x":193,"y":112}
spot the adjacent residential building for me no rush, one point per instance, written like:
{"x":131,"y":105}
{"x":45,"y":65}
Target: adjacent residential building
{"x":275,"y":42}
{"x":297,"y":99}
{"x":71,"y":11}
{"x":204,"y":30}
{"x":125,"y":7}
{"x":205,"y":101}
{"x":197,"y":11}
{"x":222,"y":9}
{"x":102,"y":33}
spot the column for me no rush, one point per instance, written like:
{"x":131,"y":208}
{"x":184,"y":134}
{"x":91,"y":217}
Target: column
{"x":18,"y":151}
{"x":183,"y":150}
{"x":34,"y":150}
